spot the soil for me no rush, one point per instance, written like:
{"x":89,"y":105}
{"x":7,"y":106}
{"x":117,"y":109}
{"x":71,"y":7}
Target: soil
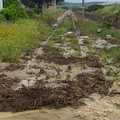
{"x":55,"y":85}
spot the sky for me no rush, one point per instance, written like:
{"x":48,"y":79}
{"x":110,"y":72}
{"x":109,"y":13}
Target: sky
{"x":78,"y":1}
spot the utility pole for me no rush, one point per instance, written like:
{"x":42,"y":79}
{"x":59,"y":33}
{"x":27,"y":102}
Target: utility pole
{"x":1,"y":4}
{"x":55,"y":4}
{"x":83,"y":7}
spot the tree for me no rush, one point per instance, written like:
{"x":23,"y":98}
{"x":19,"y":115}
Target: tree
{"x":9,"y":2}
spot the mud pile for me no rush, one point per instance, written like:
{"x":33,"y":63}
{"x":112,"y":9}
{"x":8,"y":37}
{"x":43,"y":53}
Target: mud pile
{"x":6,"y":82}
{"x":53,"y":55}
{"x":40,"y":95}
{"x":92,"y":61}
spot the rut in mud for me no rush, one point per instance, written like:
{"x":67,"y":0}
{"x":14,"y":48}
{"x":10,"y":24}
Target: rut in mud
{"x":71,"y":81}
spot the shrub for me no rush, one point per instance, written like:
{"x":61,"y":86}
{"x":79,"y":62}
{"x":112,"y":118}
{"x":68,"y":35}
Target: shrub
{"x":30,"y":12}
{"x":2,"y":18}
{"x":13,"y":13}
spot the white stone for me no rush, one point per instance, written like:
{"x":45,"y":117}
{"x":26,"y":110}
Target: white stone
{"x":108,"y":36}
{"x":99,"y":30}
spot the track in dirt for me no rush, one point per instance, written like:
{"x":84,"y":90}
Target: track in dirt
{"x":39,"y":94}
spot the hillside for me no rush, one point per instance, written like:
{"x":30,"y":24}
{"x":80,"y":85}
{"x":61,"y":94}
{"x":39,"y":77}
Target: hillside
{"x":68,"y":4}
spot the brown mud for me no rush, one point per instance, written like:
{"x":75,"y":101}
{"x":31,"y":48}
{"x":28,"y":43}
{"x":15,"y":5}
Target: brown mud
{"x":40,"y":95}
{"x":51,"y":55}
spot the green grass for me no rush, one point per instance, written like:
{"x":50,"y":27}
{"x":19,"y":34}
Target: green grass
{"x":111,"y":53}
{"x":24,"y":35}
{"x":73,"y":42}
{"x":88,"y":41}
{"x":110,"y":10}
{"x":64,"y":27}
{"x":91,"y":27}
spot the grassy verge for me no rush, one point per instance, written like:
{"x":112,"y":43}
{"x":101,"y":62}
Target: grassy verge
{"x":110,"y":53}
{"x":91,"y":27}
{"x":110,"y":10}
{"x":23,"y":35}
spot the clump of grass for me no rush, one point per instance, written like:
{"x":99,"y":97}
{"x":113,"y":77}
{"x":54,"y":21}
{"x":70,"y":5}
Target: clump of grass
{"x":78,"y":104}
{"x":74,"y":43}
{"x":111,"y":53}
{"x":87,"y":41}
{"x":50,"y":16}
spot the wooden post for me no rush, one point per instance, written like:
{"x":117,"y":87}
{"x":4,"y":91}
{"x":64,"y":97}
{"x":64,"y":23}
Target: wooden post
{"x":1,"y":4}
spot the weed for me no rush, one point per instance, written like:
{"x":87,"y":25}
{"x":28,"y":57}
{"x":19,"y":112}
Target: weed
{"x":110,"y":10}
{"x":24,"y":34}
{"x":91,"y":27}
{"x":74,"y":43}
{"x":118,"y":106}
{"x":87,"y":41}
{"x":68,"y":77}
{"x":78,"y":104}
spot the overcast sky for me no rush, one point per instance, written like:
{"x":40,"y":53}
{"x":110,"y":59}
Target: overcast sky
{"x":78,"y":1}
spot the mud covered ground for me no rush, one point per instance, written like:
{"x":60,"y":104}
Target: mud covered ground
{"x":39,"y":95}
{"x":60,"y":76}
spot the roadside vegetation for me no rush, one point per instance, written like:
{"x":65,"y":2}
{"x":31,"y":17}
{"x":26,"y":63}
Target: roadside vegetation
{"x":22,"y":30}
{"x":110,"y":10}
{"x":20,"y":36}
{"x":92,"y":27}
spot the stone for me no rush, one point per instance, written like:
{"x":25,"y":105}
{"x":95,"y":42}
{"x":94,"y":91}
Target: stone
{"x":99,"y":30}
{"x":109,"y":36}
